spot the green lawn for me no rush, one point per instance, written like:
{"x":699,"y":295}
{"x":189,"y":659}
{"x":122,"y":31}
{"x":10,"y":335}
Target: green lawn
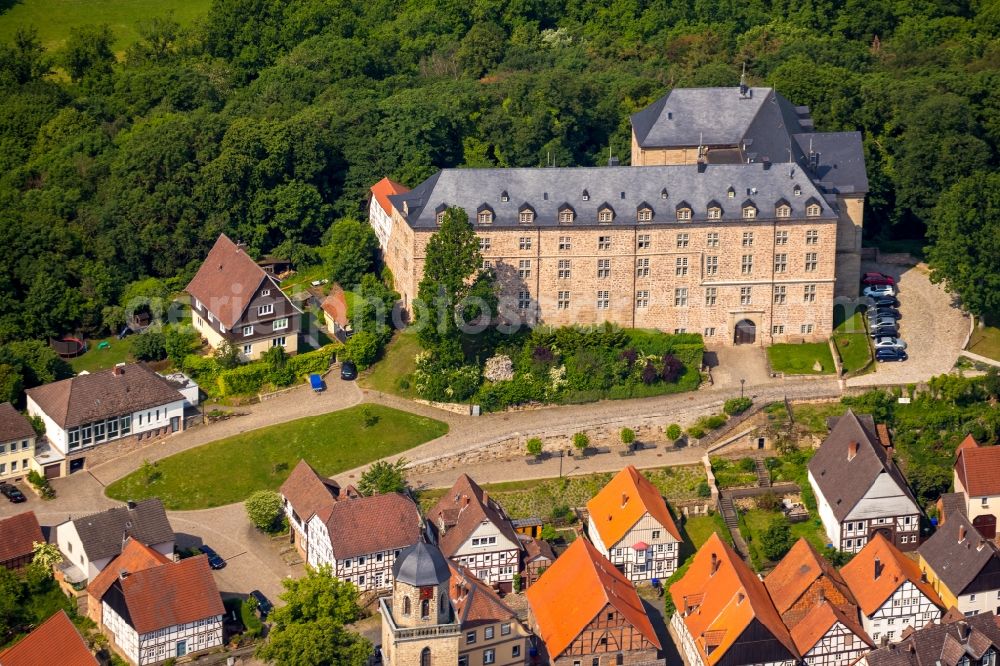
{"x":852,"y":343}
{"x":699,"y":528}
{"x":231,"y":469}
{"x":986,"y":342}
{"x":101,"y":359}
{"x":398,"y":363}
{"x":55,"y":18}
{"x":755,"y":522}
{"x":813,"y":416}
{"x":801,"y":359}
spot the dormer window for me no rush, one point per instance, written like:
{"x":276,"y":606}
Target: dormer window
{"x":439,"y":213}
{"x":663,"y":193}
{"x":683,"y":212}
{"x":797,"y":191}
{"x":812,"y":210}
{"x":605,"y":215}
{"x":566,"y":214}
{"x":504,"y":197}
{"x":485,"y":217}
{"x":783,"y":211}
{"x":644,"y":214}
{"x":526,"y":215}
{"x":586,"y":195}
{"x":715,"y":213}
{"x":749,"y":211}
{"x":731,"y":193}
{"x":439,"y":218}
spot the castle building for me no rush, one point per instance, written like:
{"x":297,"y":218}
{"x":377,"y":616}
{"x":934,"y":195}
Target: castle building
{"x":735,"y":221}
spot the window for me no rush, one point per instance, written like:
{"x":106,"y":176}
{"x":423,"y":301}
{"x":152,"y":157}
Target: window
{"x":487,"y":264}
{"x":523,"y":300}
{"x":683,"y":213}
{"x":524,"y":243}
{"x":749,"y":213}
{"x":604,"y":242}
{"x":781,"y":238}
{"x":280,"y":324}
{"x":585,"y":196}
{"x":731,"y":193}
{"x":682,"y":241}
{"x":644,"y":215}
{"x":985,"y":503}
{"x":361,"y":580}
{"x":710,"y":295}
{"x":712,"y":240}
{"x":709,"y":333}
{"x":565,"y":243}
{"x":564,"y":269}
{"x":524,"y":268}
{"x":526,"y":217}
{"x":783,"y":211}
{"x":746,"y":264}
{"x":812,"y":237}
{"x":603,"y":299}
{"x":515,"y":651}
{"x":247,"y":350}
{"x":278,"y":342}
{"x":485,"y":243}
{"x":656,"y":534}
{"x":470,"y":637}
{"x":778,"y":329}
{"x":488,"y":634}
{"x":562,"y":301}
{"x":642,"y":299}
{"x":811,"y":261}
{"x":806,"y":329}
{"x":797,"y":191}
{"x":711,"y":265}
{"x":663,"y":193}
{"x":746,"y":296}
{"x":197,"y":303}
{"x":714,"y":213}
{"x":247,"y":330}
{"x":747,"y":238}
{"x":485,"y":217}
{"x":265,"y":310}
{"x":489,"y":656}
{"x":643,"y":242}
{"x":425,"y":608}
{"x":681,"y":266}
{"x":642,"y":267}
{"x":809,"y":293}
{"x":13,"y":465}
{"x":603,"y":268}
{"x":780,"y":262}
{"x":779,"y":294}
{"x":505,"y":629}
{"x":812,"y":210}
{"x":680,"y":297}
{"x":566,"y":216}
{"x":604,"y":216}
{"x":504,"y":197}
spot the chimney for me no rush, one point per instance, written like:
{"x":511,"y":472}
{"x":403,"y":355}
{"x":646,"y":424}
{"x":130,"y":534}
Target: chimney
{"x":624,"y":499}
{"x":961,"y":533}
{"x":878,"y":568}
{"x":130,"y":504}
{"x":822,"y":595}
{"x":118,"y":370}
{"x":715,"y":564}
{"x":852,"y":450}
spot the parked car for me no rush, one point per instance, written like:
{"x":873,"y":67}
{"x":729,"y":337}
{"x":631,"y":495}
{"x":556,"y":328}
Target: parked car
{"x":890,"y":354}
{"x":884,"y":301}
{"x":883,"y":311}
{"x":214,"y":559}
{"x":884,"y":332}
{"x":887,"y":342}
{"x":880,"y":321}
{"x":875,"y":290}
{"x":348,"y":371}
{"x":263,"y":605}
{"x":877,"y":278}
{"x":12,"y":493}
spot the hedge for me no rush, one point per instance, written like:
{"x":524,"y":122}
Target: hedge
{"x":315,"y":361}
{"x":250,"y":378}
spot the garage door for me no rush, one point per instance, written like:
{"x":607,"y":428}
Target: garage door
{"x":52,"y":471}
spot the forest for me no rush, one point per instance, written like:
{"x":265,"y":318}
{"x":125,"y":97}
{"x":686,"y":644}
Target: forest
{"x":269,"y":120}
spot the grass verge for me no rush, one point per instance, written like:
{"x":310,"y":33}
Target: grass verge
{"x":985,"y":341}
{"x":231,"y":469}
{"x":852,"y":343}
{"x":801,"y":359}
{"x":95,"y":358}
{"x":392,"y":373}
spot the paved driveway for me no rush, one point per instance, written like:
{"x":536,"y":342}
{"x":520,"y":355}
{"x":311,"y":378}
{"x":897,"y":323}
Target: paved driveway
{"x":932,"y":325}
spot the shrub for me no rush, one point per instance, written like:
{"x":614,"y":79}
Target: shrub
{"x":672,"y":368}
{"x":673,"y":432}
{"x":649,"y":374}
{"x":747,"y":464}
{"x":363,"y":348}
{"x":696,"y":431}
{"x":735,"y":406}
{"x":265,"y":509}
{"x":562,"y":514}
{"x":243,"y":380}
{"x":549,"y":533}
{"x":714,"y":421}
{"x":704,"y":490}
{"x":250,"y":620}
{"x":534,"y":446}
{"x":627,"y":436}
{"x":369,"y":417}
{"x":776,"y":539}
{"x":317,"y":361}
{"x":581,"y":441}
{"x":149,"y":346}
{"x":768,"y":502}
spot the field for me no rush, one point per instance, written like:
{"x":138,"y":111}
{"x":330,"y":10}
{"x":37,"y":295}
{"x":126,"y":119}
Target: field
{"x":96,"y":358}
{"x":231,"y":469}
{"x":801,"y":359}
{"x":55,"y":18}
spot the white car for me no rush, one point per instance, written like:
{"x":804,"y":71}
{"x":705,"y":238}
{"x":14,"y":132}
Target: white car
{"x":875,"y":290}
{"x":888,"y":343}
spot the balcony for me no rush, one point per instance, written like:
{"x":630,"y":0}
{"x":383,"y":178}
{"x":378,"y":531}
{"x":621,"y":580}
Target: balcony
{"x":416,"y":633}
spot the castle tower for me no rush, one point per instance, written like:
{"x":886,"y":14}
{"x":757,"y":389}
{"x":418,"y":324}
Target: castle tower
{"x":418,"y":625}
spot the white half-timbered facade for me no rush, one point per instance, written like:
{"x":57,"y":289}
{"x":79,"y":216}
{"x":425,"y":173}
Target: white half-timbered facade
{"x":171,"y":642}
{"x":841,"y":644}
{"x":489,"y":554}
{"x":369,"y":571}
{"x":907,"y":607}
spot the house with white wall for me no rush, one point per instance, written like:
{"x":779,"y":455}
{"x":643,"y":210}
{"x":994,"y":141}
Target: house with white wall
{"x":630,"y":524}
{"x":17,"y":443}
{"x":304,"y":494}
{"x":963,"y":566}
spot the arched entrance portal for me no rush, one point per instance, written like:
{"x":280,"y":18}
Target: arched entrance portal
{"x":986,"y":526}
{"x":745,"y":333}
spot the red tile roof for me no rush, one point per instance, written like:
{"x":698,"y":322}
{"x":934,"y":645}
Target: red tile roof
{"x":574,"y":590}
{"x":623,"y":502}
{"x":55,"y":641}
{"x":872,"y":591}
{"x":797,"y":570}
{"x":978,"y":468}
{"x":819,"y":620}
{"x":462,"y":510}
{"x":19,"y":534}
{"x":135,"y":557}
{"x":335,"y":306}
{"x":13,"y":424}
{"x":308,"y":492}
{"x":363,"y":525}
{"x":226,"y":281}
{"x":474,"y":601}
{"x":385,"y":188}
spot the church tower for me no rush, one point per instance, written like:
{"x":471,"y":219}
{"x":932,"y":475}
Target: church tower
{"x":418,"y":624}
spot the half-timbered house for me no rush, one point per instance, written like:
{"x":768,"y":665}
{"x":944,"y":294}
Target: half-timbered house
{"x":859,"y":490}
{"x":977,"y":478}
{"x":492,"y":633}
{"x":956,"y":641}
{"x":963,"y":567}
{"x":724,"y":614}
{"x":585,"y":611}
{"x":890,"y":590}
{"x":471,"y":528}
{"x":304,"y":494}
{"x":18,"y":536}
{"x":630,"y":524}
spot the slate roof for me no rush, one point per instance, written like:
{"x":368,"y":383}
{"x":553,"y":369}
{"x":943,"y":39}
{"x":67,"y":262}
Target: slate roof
{"x":104,"y":394}
{"x":978,"y":468}
{"x":844,"y":482}
{"x":421,"y":565}
{"x":475,"y":603}
{"x":545,"y":190}
{"x":840,"y":161}
{"x":18,"y":535}
{"x":103,"y":534}
{"x":227,"y":280}
{"x":959,"y":563}
{"x":363,"y":525}
{"x":623,"y":502}
{"x":55,"y":641}
{"x":135,"y":557}
{"x":462,"y":510}
{"x":13,"y":424}
{"x":942,"y":644}
{"x":166,"y":595}
{"x":894,"y":569}
{"x":308,"y":492}
{"x":578,"y":586}
{"x":951,"y":504}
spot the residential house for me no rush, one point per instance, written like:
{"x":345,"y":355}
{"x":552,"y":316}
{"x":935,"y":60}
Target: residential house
{"x":17,"y":443}
{"x":956,"y":641}
{"x":234,"y":300}
{"x":859,"y":490}
{"x":630,"y":524}
{"x":891,"y":591}
{"x":334,"y":308}
{"x":165,"y":611}
{"x":963,"y":567}
{"x":491,"y":632}
{"x":817,"y":607}
{"x":55,"y":641}
{"x":18,"y":536}
{"x":135,"y":557}
{"x":304,"y":494}
{"x":380,"y":208}
{"x":89,"y":543}
{"x":585,"y":611}
{"x":977,"y":478}
{"x":538,"y":557}
{"x":360,"y":538}
{"x":81,"y":412}
{"x":471,"y":528}
{"x":724,"y":615}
